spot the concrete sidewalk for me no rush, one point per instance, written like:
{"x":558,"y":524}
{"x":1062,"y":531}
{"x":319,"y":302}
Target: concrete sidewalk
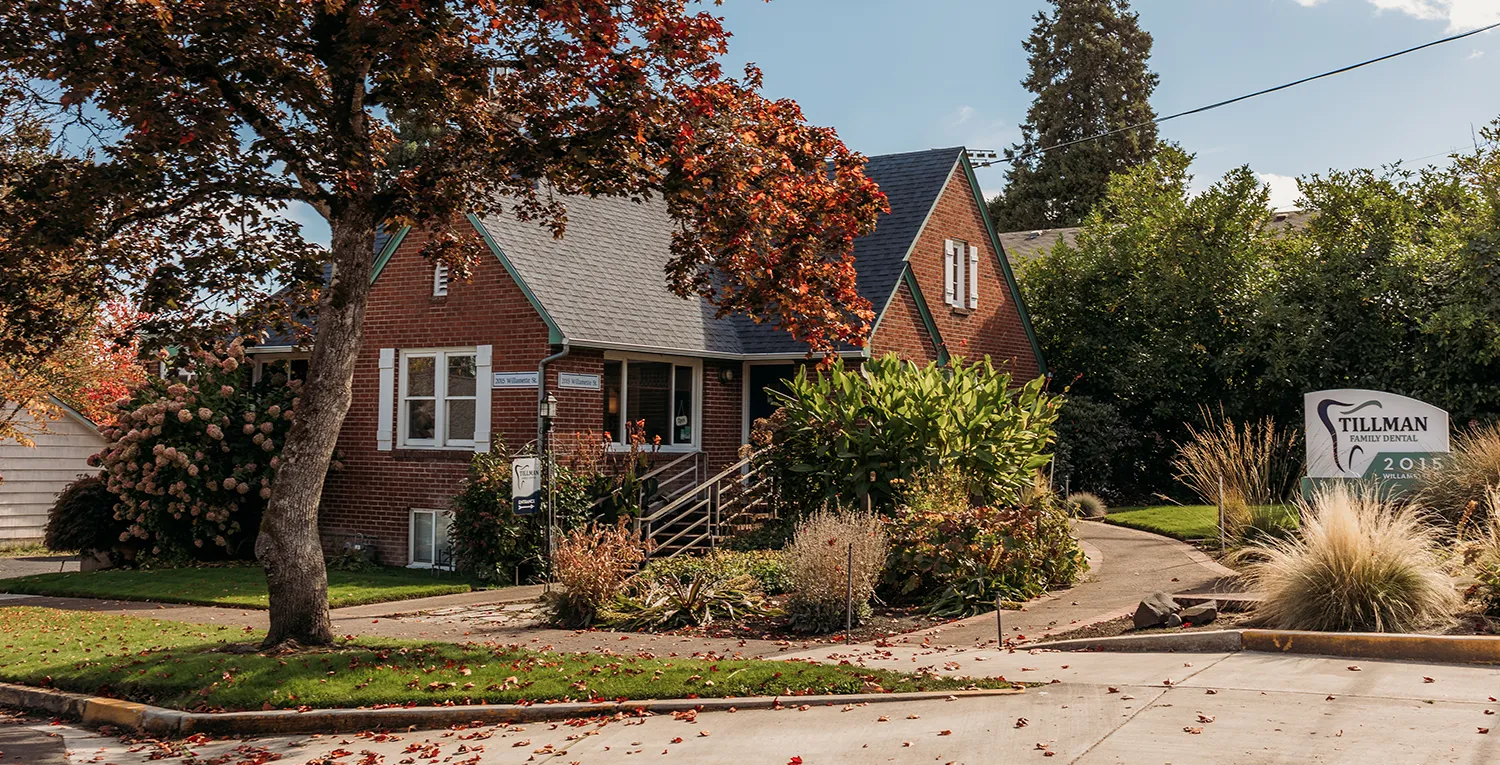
{"x":1125,"y":566}
{"x":1137,"y":708}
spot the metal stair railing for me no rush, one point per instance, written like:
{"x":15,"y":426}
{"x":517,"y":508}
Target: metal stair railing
{"x":701,"y":516}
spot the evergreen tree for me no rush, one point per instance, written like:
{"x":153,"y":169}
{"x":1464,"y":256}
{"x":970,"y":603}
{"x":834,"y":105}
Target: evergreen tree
{"x":1089,"y":73}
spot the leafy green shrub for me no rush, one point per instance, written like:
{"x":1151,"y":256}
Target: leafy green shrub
{"x":83,"y":518}
{"x":592,"y":563}
{"x":192,"y":463}
{"x":818,"y":559}
{"x":1084,"y":504}
{"x":842,"y":434}
{"x":1095,"y":448}
{"x":959,"y":557}
{"x":1462,"y":482}
{"x":490,"y":542}
{"x":766,"y":567}
{"x":1361,"y":564}
{"x":666,"y":603}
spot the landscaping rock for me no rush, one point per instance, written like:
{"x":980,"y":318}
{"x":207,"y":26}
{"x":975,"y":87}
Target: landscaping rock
{"x":1155,"y":609}
{"x":1172,"y":620}
{"x":1202,"y":613}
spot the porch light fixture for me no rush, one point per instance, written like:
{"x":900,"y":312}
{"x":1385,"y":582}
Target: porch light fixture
{"x":548,"y":408}
{"x":726,"y":375}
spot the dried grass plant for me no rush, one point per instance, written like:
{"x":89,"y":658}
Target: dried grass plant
{"x":592,"y":564}
{"x":1461,"y":485}
{"x":1360,"y":564}
{"x":818,"y":561}
{"x":1257,"y":460}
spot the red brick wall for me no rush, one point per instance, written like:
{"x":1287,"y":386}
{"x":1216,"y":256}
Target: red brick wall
{"x":375,"y":491}
{"x":902,"y":330}
{"x":993,"y":329}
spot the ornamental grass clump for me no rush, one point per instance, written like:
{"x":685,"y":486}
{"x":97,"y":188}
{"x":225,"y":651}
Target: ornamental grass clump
{"x":1458,"y":487}
{"x":818,"y":560}
{"x":592,"y":563}
{"x":1083,"y":504}
{"x":1361,"y":564}
{"x":1256,"y":462}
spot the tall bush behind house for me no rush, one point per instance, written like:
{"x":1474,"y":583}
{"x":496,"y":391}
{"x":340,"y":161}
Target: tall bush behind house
{"x":843,"y":434}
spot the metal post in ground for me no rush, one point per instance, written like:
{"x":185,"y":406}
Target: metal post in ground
{"x":999,"y":625}
{"x":849,"y":595}
{"x":1221,"y":513}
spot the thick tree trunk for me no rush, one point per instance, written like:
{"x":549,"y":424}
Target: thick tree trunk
{"x":289,"y":545}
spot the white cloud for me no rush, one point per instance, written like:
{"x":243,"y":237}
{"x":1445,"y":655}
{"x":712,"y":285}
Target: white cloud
{"x":1476,"y":54}
{"x":1461,"y":15}
{"x":960,"y":115}
{"x":1284,"y":191}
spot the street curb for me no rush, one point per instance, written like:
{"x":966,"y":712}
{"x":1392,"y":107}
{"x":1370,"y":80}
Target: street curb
{"x":1438,"y":649}
{"x":1444,"y":649}
{"x":95,"y":711}
{"x":1215,"y":641}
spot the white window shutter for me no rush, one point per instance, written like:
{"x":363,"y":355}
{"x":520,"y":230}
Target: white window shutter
{"x":483,"y":363}
{"x":387,"y":417}
{"x":973,"y":276}
{"x":950,"y":274}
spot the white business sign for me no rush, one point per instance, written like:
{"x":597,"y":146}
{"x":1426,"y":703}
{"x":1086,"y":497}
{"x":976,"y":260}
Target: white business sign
{"x":514,"y":380}
{"x":1369,"y":434}
{"x":525,"y":485}
{"x":578,"y":381}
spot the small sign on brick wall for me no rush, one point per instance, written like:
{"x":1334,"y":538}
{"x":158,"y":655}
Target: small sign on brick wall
{"x":515,"y":380}
{"x":578,"y":381}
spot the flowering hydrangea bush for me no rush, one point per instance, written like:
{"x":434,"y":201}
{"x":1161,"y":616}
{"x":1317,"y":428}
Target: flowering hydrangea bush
{"x":191,"y":458}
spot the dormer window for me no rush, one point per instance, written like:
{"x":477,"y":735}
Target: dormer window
{"x":440,"y":280}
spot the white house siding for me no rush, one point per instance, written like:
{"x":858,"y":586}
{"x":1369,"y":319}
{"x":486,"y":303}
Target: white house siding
{"x":32,"y":477}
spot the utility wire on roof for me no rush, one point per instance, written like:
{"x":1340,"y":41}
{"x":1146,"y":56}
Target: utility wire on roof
{"x":1246,"y":97}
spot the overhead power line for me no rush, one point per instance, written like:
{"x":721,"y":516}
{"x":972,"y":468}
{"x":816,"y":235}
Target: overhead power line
{"x":1246,"y":97}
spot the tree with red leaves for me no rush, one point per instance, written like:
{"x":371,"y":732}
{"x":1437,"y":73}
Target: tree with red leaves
{"x":193,"y":122}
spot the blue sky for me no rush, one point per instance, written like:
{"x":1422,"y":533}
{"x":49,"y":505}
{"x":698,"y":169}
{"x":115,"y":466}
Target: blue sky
{"x":902,"y":75}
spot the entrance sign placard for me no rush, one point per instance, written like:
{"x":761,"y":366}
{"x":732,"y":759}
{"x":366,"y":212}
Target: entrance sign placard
{"x":526,"y":485}
{"x":1366,"y":434}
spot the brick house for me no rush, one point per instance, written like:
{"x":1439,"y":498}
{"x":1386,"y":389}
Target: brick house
{"x":445,"y":368}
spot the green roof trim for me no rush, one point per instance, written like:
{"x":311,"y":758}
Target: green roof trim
{"x":384,"y":256}
{"x":554,"y":333}
{"x":1010,"y":276}
{"x":910,"y":280}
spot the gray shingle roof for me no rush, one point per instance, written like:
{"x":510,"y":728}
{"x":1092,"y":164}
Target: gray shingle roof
{"x":603,"y":282}
{"x":1021,"y":246}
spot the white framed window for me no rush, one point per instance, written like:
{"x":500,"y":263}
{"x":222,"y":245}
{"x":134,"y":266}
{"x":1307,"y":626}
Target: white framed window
{"x":960,"y":274}
{"x":294,"y":366}
{"x":439,"y":393}
{"x":439,"y":280}
{"x":427,"y":539}
{"x":661,"y":393}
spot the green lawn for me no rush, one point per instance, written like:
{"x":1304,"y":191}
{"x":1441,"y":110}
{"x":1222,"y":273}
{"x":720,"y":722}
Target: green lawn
{"x":184,"y":666}
{"x":1185,"y":522}
{"x":235,"y":586}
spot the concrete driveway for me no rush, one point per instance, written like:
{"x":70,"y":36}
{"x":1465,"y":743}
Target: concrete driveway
{"x":1103,"y":708}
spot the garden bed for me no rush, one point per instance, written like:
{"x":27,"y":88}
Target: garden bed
{"x":214,"y":668}
{"x":884,"y":622}
{"x":230,"y":586}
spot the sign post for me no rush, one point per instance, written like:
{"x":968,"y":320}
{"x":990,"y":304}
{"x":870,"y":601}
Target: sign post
{"x":525,"y":485}
{"x":1371,"y":436}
